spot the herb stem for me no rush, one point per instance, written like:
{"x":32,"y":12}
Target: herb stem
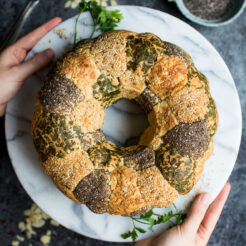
{"x":93,"y":31}
{"x":104,"y":19}
{"x":175,"y":207}
{"x":139,"y":221}
{"x":76,"y":29}
{"x":157,"y":214}
{"x":147,"y":219}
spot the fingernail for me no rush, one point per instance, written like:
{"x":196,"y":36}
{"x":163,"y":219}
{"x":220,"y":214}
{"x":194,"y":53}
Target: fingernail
{"x":49,"y":53}
{"x":205,"y":199}
{"x":58,"y":19}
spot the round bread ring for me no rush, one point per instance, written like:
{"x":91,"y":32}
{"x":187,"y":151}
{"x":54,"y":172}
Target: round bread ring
{"x":70,"y":109}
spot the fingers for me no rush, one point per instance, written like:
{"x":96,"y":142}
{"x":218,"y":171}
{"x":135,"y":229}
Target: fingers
{"x":28,"y":41}
{"x":16,"y":53}
{"x":213,"y":212}
{"x":39,"y":61}
{"x":196,"y":214}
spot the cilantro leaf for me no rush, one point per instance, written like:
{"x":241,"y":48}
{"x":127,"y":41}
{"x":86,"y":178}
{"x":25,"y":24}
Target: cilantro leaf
{"x":147,"y":215}
{"x":103,"y":19}
{"x":151,"y":224}
{"x":141,"y":230}
{"x":151,"y":219}
{"x":134,"y":235}
{"x":167,"y":217}
{"x":181,"y":218}
{"x":84,"y":6}
{"x":126,"y":235}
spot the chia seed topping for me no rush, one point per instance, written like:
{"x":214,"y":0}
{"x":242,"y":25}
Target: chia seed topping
{"x":59,"y":94}
{"x":190,"y":139}
{"x":94,"y":191}
{"x":208,"y":9}
{"x":140,"y":158}
{"x":147,"y":100}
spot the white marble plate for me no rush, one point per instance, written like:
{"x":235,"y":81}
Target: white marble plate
{"x":129,"y":122}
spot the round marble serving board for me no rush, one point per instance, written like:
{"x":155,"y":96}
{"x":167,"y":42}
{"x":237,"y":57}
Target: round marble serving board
{"x":124,"y":121}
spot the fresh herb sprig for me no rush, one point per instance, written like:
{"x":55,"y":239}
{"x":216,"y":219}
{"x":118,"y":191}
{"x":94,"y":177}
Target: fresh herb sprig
{"x":103,"y":19}
{"x":151,"y":219}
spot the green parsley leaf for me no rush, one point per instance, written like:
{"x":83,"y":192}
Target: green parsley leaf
{"x":181,"y":218}
{"x":151,"y":224}
{"x":103,"y":19}
{"x":164,"y":218}
{"x":141,"y":230}
{"x":126,"y":235}
{"x":147,"y":215}
{"x":134,"y":235}
{"x":151,"y":219}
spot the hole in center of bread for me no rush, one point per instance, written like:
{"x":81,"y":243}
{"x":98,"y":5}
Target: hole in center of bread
{"x":124,"y":123}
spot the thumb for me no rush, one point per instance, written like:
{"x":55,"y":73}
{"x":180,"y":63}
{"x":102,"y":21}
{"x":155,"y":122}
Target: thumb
{"x":37,"y":62}
{"x":197,"y":213}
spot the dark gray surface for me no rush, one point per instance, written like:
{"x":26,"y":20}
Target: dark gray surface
{"x":229,"y":40}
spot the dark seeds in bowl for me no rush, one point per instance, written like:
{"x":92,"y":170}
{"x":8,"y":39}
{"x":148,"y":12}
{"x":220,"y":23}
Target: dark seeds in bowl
{"x":208,"y":9}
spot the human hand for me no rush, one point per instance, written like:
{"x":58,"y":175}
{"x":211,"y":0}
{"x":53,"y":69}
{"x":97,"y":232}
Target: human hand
{"x":199,"y":225}
{"x":13,"y":71}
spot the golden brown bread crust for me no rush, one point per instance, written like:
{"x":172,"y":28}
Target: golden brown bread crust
{"x":70,"y":109}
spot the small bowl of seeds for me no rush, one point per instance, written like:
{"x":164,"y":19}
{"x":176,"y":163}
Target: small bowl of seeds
{"x":211,"y":13}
